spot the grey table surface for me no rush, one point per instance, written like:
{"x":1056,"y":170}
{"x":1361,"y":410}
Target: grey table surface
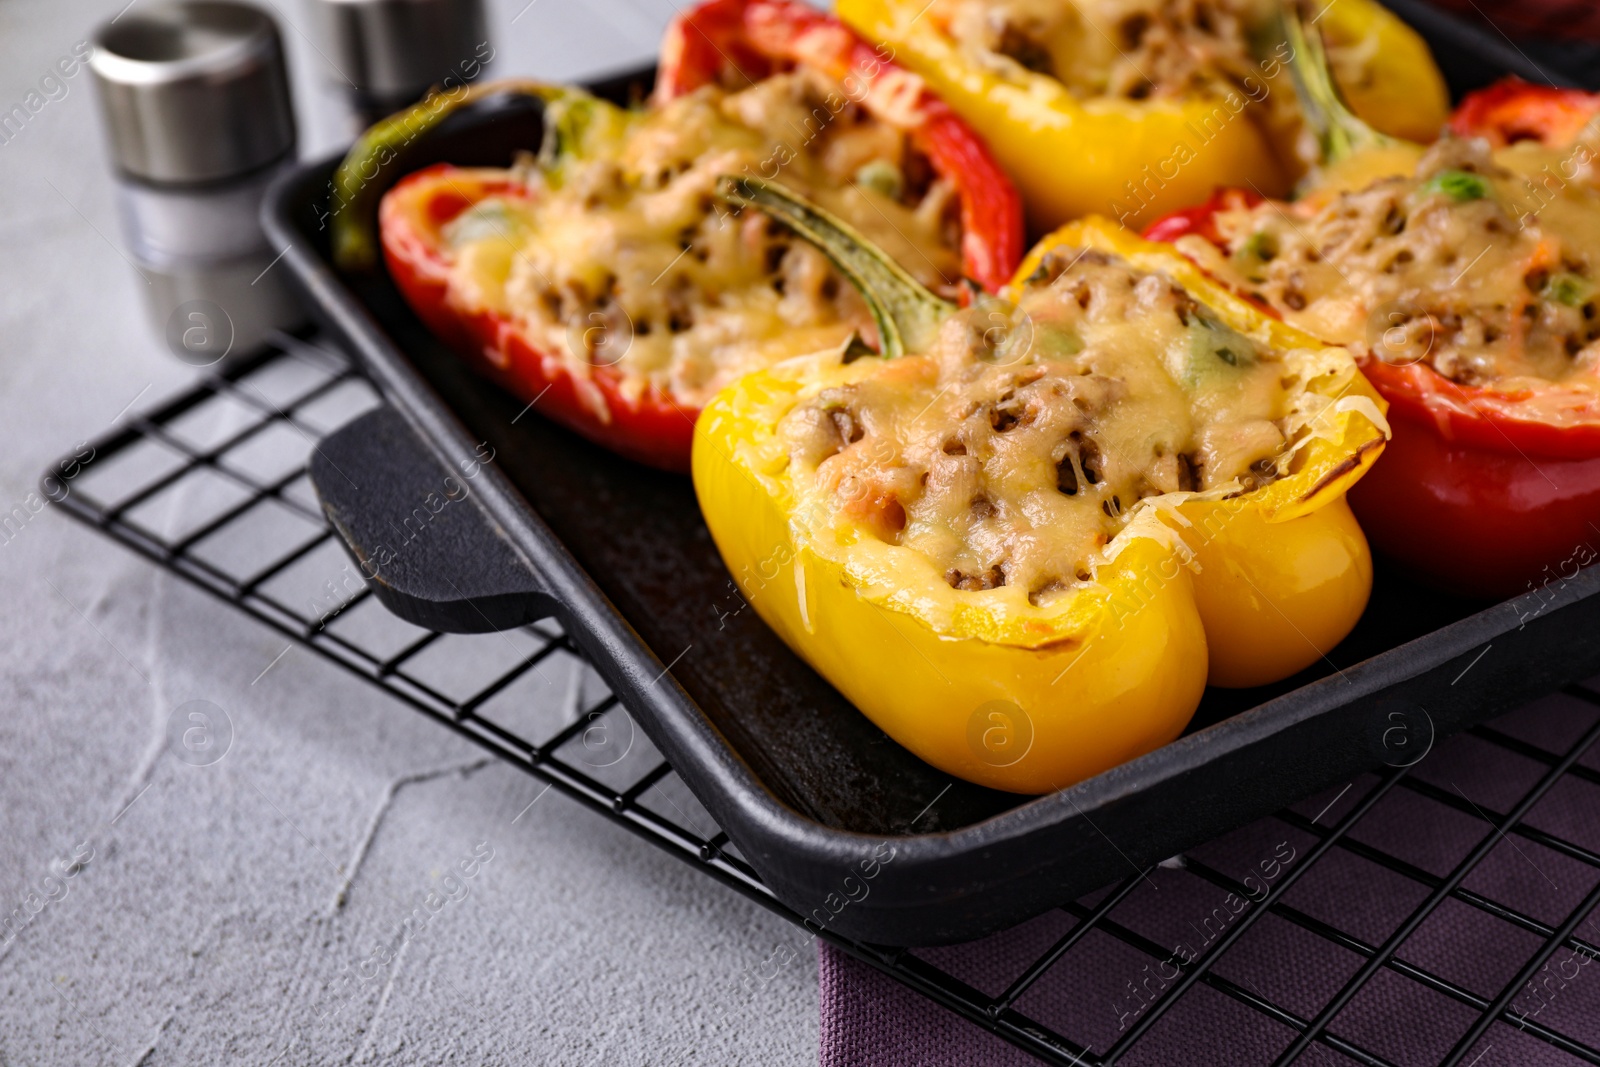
{"x":207,"y":926}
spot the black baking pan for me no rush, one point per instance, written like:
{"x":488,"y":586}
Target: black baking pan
{"x":805,"y":786}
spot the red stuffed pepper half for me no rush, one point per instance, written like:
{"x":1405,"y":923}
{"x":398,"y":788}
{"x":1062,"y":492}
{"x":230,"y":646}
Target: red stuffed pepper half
{"x":602,"y":282}
{"x":1467,"y":274}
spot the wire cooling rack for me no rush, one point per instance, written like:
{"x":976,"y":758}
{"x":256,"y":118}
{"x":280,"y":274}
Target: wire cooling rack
{"x":212,"y":485}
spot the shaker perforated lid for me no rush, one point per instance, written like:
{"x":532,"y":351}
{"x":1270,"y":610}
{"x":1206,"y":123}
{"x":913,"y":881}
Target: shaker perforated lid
{"x":397,"y":49}
{"x":193,"y":91}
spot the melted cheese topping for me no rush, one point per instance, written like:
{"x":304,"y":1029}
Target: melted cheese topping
{"x":621,"y":257}
{"x":1482,"y":266}
{"x":1134,"y":49}
{"x":1014,"y":451}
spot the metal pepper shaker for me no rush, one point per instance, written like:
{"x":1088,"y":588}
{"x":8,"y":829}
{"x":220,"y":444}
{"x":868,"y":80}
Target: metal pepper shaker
{"x":389,"y":53}
{"x":198,"y":122}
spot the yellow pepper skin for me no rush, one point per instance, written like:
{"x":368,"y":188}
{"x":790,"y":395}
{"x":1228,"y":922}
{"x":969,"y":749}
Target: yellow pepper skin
{"x":1140,"y":160}
{"x":1317,"y":567}
{"x":1401,"y":92}
{"x":1030,"y":704}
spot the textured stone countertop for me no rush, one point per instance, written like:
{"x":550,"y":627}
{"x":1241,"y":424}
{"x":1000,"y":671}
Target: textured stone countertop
{"x":205,"y":926}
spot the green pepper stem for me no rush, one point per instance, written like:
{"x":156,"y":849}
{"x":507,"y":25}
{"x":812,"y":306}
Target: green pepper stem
{"x":906,"y":313}
{"x":1340,"y":132}
{"x":355,"y":183}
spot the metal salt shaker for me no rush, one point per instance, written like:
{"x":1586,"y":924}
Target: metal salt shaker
{"x":389,"y":53}
{"x":198,"y":122}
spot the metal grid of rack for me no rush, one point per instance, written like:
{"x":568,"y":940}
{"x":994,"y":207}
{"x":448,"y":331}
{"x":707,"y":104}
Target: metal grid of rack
{"x":211,"y":485}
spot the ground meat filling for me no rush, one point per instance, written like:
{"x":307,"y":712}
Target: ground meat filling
{"x":622,"y":257}
{"x":1466,"y":266}
{"x":1011,"y":453}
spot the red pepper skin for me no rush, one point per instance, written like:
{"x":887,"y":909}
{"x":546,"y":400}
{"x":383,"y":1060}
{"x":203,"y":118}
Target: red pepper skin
{"x":1481,"y":417}
{"x":1201,"y":220}
{"x":1513,"y":110}
{"x":652,"y":429}
{"x":1472,"y":498}
{"x":761,"y":36}
{"x":1484,"y":522}
{"x":1469,"y":496}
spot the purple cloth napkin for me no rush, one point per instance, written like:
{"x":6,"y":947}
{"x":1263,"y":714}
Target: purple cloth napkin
{"x":1102,"y":985}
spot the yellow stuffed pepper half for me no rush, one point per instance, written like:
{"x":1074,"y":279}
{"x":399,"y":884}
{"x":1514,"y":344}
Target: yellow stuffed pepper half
{"x":1134,"y":109}
{"x":1022,"y":536}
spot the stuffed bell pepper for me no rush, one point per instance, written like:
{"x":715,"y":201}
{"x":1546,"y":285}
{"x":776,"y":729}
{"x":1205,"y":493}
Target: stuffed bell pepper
{"x":1133,"y":108}
{"x":602,"y":280}
{"x":1024,"y":538}
{"x":1467,"y":277}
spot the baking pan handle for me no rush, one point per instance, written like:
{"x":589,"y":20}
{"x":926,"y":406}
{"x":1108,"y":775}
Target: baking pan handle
{"x":429,"y":552}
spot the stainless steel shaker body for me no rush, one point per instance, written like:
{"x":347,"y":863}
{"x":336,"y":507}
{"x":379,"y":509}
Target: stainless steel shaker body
{"x":389,"y":53}
{"x":198,"y":121}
